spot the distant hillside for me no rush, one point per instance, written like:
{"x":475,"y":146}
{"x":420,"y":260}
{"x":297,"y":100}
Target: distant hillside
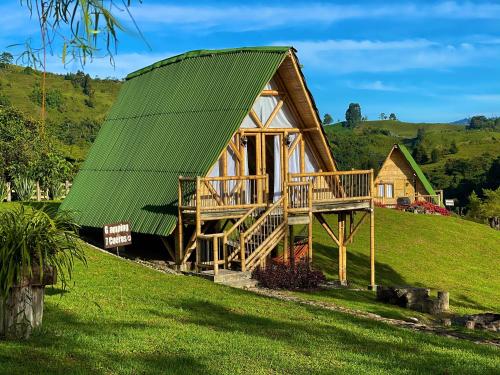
{"x":464,"y":121}
{"x":459,"y":173}
{"x":68,"y":111}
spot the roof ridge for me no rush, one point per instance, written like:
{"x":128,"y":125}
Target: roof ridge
{"x":204,"y":53}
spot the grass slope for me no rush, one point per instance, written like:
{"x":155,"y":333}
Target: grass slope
{"x":121,"y":318}
{"x":445,"y":253}
{"x":470,"y":144}
{"x":17,"y":86}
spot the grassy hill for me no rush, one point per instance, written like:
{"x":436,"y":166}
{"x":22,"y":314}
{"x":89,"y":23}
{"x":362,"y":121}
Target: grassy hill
{"x":444,"y":253}
{"x":382,"y":135}
{"x":17,"y":84}
{"x":20,"y":87}
{"x":457,"y":173}
{"x":121,"y":318}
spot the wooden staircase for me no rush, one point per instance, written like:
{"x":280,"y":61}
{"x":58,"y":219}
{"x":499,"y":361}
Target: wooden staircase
{"x":246,"y":244}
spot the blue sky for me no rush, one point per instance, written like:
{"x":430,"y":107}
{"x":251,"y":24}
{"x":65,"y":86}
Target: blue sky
{"x":423,"y":60}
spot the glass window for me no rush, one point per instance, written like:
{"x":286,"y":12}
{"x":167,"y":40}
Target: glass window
{"x":389,"y":191}
{"x":381,"y":189}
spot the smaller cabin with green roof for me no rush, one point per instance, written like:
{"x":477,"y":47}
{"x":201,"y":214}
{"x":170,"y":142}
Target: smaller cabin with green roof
{"x":400,"y":176}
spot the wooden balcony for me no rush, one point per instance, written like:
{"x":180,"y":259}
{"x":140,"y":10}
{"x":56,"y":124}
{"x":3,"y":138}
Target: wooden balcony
{"x":212,"y":198}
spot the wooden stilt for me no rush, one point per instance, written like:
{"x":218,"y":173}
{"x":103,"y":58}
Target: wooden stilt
{"x":344,"y":249}
{"x":179,"y":235}
{"x":341,"y":224}
{"x":372,"y":248}
{"x":292,"y":246}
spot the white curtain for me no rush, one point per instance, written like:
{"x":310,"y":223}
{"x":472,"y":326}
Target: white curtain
{"x":294,"y":160}
{"x":248,"y":184}
{"x":277,"y":168}
{"x":310,"y":162}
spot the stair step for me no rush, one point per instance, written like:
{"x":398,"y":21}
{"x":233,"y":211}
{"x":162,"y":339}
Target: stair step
{"x":241,"y":284}
{"x":231,"y":276}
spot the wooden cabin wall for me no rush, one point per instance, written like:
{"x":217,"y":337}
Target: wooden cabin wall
{"x":397,"y":171}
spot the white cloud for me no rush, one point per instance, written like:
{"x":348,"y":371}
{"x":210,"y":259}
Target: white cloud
{"x":124,"y":64}
{"x":373,"y":86}
{"x":347,"y":56}
{"x":255,"y":17}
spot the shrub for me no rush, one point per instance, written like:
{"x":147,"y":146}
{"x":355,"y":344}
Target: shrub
{"x":430,"y":208}
{"x":24,"y":187}
{"x":3,"y":190}
{"x":31,"y":240}
{"x":283,"y":276}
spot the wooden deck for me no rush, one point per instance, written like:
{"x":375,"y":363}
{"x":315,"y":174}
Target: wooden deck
{"x":251,"y":225}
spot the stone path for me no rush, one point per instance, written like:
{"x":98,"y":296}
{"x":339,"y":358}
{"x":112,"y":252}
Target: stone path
{"x":414,"y":326}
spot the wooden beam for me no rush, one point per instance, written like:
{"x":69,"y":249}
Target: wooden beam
{"x":169,"y":248}
{"x":235,"y":150}
{"x":326,"y":227}
{"x":179,"y":245}
{"x":270,"y":93}
{"x":255,"y":118}
{"x":341,"y":224}
{"x":356,"y":227}
{"x":273,"y":114}
{"x":292,"y":147}
{"x":372,"y":247}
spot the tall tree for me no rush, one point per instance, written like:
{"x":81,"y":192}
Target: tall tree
{"x":392,"y":117}
{"x":382,"y":116}
{"x":420,"y":154}
{"x":6,"y":59}
{"x":353,"y":115}
{"x":327,"y":119}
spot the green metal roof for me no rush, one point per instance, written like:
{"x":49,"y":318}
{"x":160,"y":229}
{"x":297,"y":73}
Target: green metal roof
{"x":421,"y":176}
{"x":172,"y":118}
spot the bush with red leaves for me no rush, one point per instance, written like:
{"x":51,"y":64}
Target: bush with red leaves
{"x":430,"y":208}
{"x":283,"y":276}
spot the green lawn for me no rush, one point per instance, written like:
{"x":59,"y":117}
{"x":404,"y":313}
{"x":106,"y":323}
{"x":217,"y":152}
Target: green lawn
{"x":443,"y":253}
{"x":119,"y":317}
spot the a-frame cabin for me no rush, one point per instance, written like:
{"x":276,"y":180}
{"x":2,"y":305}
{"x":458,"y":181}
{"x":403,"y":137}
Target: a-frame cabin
{"x":222,"y":154}
{"x":401,"y":177}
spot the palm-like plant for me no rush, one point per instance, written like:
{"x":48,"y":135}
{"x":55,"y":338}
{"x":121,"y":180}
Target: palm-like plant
{"x":24,"y":187}
{"x":3,"y":190}
{"x":31,"y":241}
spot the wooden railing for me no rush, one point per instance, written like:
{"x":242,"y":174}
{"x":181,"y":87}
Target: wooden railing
{"x":299,"y":195}
{"x":211,"y":251}
{"x":435,"y":199}
{"x":216,"y":193}
{"x":337,"y":186}
{"x":261,"y":233}
{"x":214,"y":250}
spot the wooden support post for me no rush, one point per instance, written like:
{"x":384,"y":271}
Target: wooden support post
{"x":215,"y":245}
{"x":344,"y":248}
{"x":341,"y":224}
{"x":38,"y":192}
{"x":292,"y":246}
{"x":179,"y":238}
{"x":167,"y":246}
{"x":310,"y":228}
{"x":9,"y":192}
{"x":242,"y":253}
{"x":351,"y":226}
{"x":372,"y":247}
{"x":372,"y":235}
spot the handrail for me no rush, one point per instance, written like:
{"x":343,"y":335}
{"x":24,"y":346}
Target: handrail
{"x":332,"y":173}
{"x":241,"y":220}
{"x":263,"y":216}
